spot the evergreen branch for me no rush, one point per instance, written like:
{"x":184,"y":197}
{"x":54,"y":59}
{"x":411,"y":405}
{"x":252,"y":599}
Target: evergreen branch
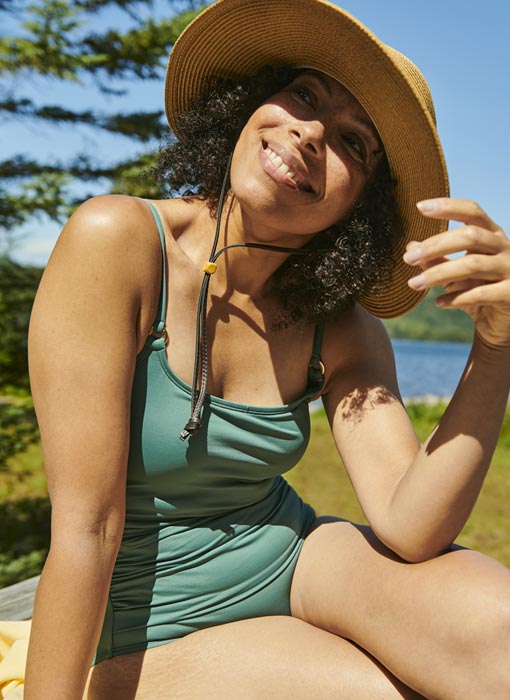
{"x":58,"y":42}
{"x":9,"y":6}
{"x":22,"y":168}
{"x":81,"y":167}
{"x":95,"y":5}
{"x":178,"y":6}
{"x":53,"y":48}
{"x":143,"y":126}
{"x":140,"y":52}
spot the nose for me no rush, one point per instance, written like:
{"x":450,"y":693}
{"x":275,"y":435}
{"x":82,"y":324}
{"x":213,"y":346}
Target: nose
{"x":309,"y":135}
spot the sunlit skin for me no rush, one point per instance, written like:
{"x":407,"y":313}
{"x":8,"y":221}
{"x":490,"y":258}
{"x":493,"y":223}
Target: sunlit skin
{"x":477,"y":282}
{"x":427,"y":616}
{"x":325,"y":137}
{"x":327,"y":140}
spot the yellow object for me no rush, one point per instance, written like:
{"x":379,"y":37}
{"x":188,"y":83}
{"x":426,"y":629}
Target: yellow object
{"x":210,"y":268}
{"x":14,"y":637}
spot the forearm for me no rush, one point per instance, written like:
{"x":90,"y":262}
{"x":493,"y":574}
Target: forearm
{"x":68,"y":614}
{"x":437,"y":493}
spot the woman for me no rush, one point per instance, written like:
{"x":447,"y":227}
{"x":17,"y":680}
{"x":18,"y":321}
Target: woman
{"x":180,"y":559}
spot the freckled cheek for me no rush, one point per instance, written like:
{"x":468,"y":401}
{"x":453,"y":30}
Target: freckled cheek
{"x":342,"y":188}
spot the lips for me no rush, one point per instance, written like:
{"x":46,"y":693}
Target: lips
{"x":286,"y":167}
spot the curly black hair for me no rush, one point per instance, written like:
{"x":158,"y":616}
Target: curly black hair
{"x":346,"y":260}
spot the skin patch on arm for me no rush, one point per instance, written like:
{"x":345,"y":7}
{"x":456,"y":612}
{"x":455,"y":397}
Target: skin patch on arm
{"x":355,"y":404}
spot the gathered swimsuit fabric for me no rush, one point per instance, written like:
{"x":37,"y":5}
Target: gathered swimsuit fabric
{"x":212,"y":531}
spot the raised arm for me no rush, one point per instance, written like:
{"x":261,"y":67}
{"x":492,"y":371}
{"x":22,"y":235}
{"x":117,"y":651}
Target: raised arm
{"x":85,"y":330}
{"x":417,"y":498}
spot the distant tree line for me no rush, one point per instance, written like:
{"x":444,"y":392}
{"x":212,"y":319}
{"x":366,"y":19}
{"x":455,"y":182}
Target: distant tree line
{"x":428,"y":322}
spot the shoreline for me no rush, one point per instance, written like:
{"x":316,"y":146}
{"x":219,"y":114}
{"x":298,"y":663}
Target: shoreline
{"x":426,"y":399}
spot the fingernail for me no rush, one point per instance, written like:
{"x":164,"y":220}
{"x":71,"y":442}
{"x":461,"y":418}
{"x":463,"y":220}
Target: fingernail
{"x":417,"y":282}
{"x":413,"y":254}
{"x":427,"y":206}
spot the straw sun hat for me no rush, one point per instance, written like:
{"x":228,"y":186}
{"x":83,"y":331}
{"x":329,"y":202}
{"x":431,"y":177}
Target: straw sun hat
{"x":233,"y":38}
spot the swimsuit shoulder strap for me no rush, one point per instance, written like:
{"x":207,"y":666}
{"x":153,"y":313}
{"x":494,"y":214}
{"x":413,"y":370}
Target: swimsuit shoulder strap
{"x":158,"y":330}
{"x":316,"y":368}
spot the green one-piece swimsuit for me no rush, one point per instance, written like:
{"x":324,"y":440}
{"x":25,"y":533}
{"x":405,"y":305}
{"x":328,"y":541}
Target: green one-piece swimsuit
{"x":212,"y":531}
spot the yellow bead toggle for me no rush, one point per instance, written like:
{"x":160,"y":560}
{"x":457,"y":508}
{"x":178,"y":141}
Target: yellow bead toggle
{"x":210,"y":268}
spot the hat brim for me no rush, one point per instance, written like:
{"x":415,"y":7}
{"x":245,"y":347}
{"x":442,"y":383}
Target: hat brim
{"x":233,"y":38}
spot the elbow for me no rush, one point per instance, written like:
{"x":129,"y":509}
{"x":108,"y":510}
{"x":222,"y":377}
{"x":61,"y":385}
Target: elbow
{"x":102,"y":533}
{"x":427,"y":553}
{"x":412,"y":550}
{"x":106,"y":533}
{"x":417,"y":556}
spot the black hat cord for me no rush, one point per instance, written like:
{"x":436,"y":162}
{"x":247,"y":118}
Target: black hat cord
{"x":201,"y":364}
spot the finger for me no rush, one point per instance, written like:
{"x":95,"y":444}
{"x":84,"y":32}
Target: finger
{"x":472,"y":238}
{"x":464,"y":210}
{"x":481,"y":295}
{"x":426,"y":264}
{"x":482,"y":267}
{"x":462,"y":286}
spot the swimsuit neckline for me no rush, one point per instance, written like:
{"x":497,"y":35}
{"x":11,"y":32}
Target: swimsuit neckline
{"x":219,"y":401}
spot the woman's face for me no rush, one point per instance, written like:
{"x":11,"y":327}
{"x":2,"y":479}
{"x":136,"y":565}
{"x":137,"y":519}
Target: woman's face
{"x":305,"y":156}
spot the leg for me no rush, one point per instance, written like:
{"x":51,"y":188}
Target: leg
{"x":258,"y":659}
{"x":442,"y":626}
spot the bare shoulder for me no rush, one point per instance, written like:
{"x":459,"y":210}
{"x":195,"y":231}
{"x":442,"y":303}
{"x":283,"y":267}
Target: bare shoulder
{"x":357,"y":341}
{"x":360,"y":364}
{"x":111,"y":242}
{"x":111,"y":222}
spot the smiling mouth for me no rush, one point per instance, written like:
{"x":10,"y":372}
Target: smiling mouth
{"x":284,"y":169}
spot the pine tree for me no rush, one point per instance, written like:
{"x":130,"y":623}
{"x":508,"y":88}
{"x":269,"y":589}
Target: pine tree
{"x":58,"y":39}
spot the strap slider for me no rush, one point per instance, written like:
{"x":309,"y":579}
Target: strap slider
{"x":210,"y":268}
{"x":318,"y":364}
{"x":316,"y":372}
{"x":156,"y":334}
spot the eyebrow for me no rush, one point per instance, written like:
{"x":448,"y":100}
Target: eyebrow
{"x":360,"y":120}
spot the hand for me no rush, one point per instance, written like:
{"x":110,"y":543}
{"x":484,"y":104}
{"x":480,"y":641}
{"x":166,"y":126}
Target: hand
{"x":477,"y":282}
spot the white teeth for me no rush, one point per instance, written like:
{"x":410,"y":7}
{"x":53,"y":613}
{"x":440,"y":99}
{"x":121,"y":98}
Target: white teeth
{"x":278,"y":162}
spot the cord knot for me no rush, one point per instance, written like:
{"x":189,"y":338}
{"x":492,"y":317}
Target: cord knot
{"x":191,"y":428}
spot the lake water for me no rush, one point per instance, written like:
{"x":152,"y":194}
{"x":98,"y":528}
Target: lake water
{"x":426,"y":368}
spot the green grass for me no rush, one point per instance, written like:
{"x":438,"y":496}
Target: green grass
{"x":24,"y":517}
{"x":320,"y":479}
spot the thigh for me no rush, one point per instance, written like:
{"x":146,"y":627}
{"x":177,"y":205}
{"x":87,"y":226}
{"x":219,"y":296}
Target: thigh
{"x":256,"y":659}
{"x":414,"y":618}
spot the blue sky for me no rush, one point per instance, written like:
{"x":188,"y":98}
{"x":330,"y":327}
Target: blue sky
{"x":461,"y":46}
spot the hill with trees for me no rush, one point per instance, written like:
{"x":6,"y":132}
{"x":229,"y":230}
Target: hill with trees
{"x":429,"y":322}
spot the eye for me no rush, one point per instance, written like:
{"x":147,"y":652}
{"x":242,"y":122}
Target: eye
{"x":355,"y":145}
{"x":305,"y":95}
